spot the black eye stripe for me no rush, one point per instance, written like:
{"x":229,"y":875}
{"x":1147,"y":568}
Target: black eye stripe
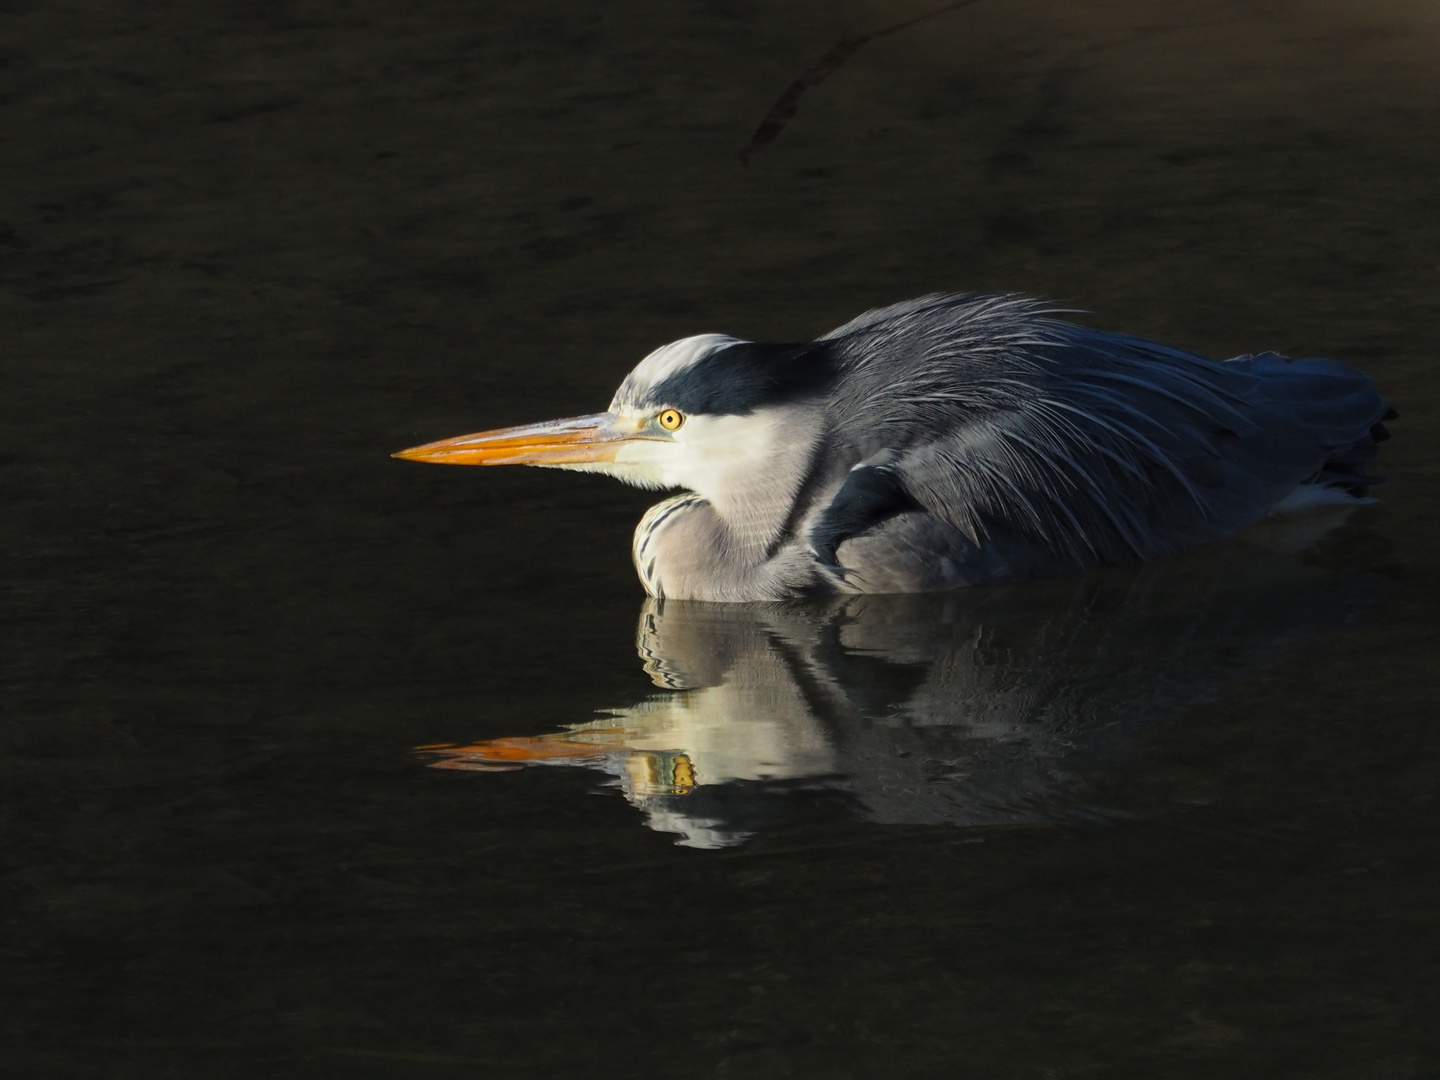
{"x":743,"y":377}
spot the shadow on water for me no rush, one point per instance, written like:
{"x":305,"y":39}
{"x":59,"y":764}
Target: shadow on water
{"x":982,"y":707}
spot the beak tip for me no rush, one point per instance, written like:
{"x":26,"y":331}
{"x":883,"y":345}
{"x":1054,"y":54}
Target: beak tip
{"x":579,"y":440}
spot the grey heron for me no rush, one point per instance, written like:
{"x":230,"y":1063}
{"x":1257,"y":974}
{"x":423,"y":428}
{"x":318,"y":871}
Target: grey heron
{"x":947,"y":441}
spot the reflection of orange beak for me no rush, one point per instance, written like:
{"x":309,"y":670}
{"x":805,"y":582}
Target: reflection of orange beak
{"x":498,"y":755}
{"x":576,"y":441}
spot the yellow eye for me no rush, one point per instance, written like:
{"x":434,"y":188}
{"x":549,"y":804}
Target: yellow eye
{"x":671,"y":419}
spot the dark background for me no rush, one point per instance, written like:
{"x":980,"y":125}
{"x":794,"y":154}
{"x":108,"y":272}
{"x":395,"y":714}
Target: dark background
{"x":249,"y":250}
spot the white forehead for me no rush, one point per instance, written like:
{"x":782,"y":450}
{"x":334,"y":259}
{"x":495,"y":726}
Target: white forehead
{"x":664,"y":362}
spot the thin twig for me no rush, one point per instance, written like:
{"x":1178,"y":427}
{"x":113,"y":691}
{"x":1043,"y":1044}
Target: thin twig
{"x":780,"y":114}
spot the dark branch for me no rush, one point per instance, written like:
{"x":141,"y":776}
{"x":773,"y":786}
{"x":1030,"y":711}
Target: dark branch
{"x":783,"y":109}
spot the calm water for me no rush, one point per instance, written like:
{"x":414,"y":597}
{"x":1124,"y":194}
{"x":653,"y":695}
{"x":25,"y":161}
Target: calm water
{"x":1176,"y":821}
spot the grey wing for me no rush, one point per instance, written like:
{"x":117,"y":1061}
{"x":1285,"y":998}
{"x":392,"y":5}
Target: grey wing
{"x":876,"y":538}
{"x":917,"y":551}
{"x":1086,"y":448}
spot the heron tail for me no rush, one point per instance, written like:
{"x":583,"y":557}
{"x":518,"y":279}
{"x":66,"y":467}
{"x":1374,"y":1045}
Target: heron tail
{"x":1338,"y":406}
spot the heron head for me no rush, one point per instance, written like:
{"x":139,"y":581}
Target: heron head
{"x":710,"y":413}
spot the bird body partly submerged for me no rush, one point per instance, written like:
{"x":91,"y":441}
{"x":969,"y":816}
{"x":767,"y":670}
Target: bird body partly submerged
{"x":950,"y":441}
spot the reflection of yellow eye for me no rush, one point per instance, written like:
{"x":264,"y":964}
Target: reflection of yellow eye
{"x":671,"y":419}
{"x":684,"y":775}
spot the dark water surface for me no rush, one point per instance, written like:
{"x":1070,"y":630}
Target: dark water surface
{"x":1171,"y":822}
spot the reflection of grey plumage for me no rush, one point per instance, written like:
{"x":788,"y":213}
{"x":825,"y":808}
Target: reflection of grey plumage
{"x":986,"y":709}
{"x":995,"y":707}
{"x":948,"y":441}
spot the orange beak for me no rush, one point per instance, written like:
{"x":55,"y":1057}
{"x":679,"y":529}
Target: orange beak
{"x":576,"y":441}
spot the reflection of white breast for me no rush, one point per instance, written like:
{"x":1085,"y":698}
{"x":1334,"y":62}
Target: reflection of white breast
{"x":754,"y":726}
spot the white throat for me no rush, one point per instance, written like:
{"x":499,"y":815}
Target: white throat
{"x":750,"y":468}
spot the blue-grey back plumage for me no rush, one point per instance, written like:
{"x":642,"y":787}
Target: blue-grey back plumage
{"x":1080,"y":446}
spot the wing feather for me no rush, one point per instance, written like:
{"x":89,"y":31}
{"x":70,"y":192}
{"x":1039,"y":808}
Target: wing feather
{"x":1002,"y":420}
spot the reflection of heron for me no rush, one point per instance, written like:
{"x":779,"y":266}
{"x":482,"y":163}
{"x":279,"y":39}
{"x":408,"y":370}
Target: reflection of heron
{"x":948,"y":441}
{"x":990,"y":707}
